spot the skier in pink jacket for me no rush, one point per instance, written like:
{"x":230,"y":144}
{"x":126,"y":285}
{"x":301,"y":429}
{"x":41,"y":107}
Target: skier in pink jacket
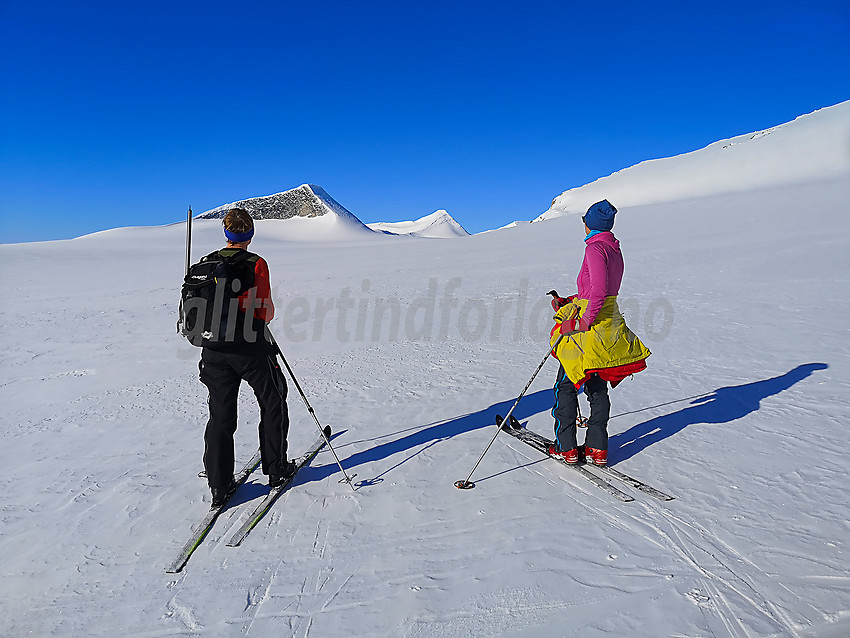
{"x":598,"y":347}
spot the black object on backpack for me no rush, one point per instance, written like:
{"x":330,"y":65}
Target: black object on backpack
{"x":209,"y":300}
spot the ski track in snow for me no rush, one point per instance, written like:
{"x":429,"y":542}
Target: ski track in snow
{"x":710,"y":558}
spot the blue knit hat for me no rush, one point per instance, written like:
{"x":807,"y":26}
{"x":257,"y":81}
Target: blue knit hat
{"x":600,"y":216}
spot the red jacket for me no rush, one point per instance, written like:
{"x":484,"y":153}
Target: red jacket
{"x":262,"y":293}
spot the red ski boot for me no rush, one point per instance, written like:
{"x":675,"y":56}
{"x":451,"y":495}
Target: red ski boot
{"x":570,"y":456}
{"x":596,"y":457}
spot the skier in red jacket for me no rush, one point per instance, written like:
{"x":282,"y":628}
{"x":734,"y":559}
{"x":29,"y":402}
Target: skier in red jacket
{"x":225,"y":365}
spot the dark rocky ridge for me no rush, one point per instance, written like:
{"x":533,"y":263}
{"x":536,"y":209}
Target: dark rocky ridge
{"x":305,"y":201}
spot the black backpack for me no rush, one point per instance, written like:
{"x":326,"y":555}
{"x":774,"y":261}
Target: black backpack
{"x":209,"y":306}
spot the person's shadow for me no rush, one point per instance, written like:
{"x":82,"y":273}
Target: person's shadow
{"x":721,"y":406}
{"x":430,"y":435}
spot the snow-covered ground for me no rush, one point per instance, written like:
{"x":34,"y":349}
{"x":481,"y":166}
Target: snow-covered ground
{"x":408,"y":348}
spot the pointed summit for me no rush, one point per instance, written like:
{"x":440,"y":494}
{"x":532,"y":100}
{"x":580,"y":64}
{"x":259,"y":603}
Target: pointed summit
{"x":308,"y":200}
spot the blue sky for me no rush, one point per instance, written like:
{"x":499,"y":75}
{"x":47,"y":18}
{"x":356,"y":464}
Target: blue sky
{"x":124,"y":113}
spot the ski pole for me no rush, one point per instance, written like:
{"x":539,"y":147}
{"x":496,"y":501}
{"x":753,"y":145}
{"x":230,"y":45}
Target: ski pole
{"x":312,"y":412}
{"x":188,"y":263}
{"x":580,"y":420}
{"x":189,"y":241}
{"x":466,"y":485}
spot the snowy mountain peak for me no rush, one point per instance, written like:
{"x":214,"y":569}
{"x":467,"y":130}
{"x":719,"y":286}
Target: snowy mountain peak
{"x":308,"y":200}
{"x":308,"y":205}
{"x":438,"y":224}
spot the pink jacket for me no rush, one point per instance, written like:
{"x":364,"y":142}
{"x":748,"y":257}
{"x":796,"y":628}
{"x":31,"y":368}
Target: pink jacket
{"x":600,"y":275}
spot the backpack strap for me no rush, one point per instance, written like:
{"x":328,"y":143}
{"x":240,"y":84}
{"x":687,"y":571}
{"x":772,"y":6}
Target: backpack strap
{"x":239,"y":262}
{"x":234,"y":256}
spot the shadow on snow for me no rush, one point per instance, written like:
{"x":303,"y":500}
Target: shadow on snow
{"x":723,"y":405}
{"x":531,"y":404}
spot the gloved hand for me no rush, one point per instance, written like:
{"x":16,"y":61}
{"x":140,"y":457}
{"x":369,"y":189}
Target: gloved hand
{"x":568,"y":328}
{"x":566,"y":313}
{"x":560,"y":302}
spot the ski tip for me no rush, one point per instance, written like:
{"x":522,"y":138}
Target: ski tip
{"x":464,"y":485}
{"x":511,"y":424}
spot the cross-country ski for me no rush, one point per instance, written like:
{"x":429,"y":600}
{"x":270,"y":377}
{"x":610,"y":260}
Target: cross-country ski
{"x":203,"y":528}
{"x":543,"y":444}
{"x":264,"y":505}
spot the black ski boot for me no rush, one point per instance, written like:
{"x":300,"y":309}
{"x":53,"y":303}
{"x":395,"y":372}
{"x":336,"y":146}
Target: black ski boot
{"x":287,"y":471}
{"x":221,"y":494}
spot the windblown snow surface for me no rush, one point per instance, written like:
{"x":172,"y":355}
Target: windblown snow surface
{"x":408,"y":348}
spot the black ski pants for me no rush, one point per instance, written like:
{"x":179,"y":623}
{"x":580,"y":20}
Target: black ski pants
{"x":566,"y":410}
{"x":222,"y":373}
